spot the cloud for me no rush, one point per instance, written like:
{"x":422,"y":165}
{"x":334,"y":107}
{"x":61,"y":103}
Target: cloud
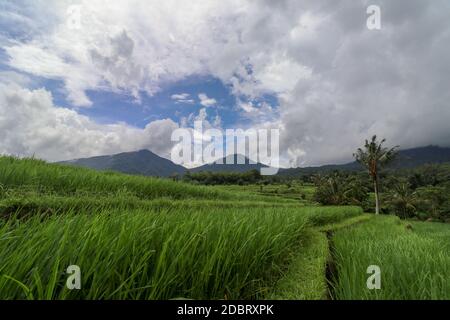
{"x":182,"y":98}
{"x":30,"y":124}
{"x":205,"y":101}
{"x":336,"y":82}
{"x":247,"y":107}
{"x":12,"y":77}
{"x":118,"y":47}
{"x":37,"y":61}
{"x":387,"y":82}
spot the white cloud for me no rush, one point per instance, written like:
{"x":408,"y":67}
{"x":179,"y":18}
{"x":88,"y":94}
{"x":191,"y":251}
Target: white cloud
{"x":217,"y":122}
{"x":247,"y":107}
{"x":182,"y":98}
{"x":30,"y":124}
{"x":281,"y":74}
{"x":120,"y":47}
{"x":12,"y":77}
{"x":336,"y":81}
{"x":206,"y":101}
{"x":202,"y":115}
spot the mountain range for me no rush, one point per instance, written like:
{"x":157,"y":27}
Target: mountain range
{"x":408,"y":158}
{"x":145,"y":162}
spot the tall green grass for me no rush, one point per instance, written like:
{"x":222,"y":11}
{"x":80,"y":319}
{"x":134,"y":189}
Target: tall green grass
{"x":303,"y":193}
{"x":143,"y":238}
{"x":305,"y":276}
{"x":36,"y":176}
{"x":145,"y":254}
{"x":415,"y":264}
{"x":25,"y":206}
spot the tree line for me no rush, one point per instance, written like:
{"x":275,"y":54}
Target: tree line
{"x":223,"y":178}
{"x":422,"y":193}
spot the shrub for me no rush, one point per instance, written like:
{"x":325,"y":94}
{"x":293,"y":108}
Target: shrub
{"x":336,"y":189}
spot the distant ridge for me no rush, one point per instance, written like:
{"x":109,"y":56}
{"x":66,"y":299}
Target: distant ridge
{"x":143,"y":162}
{"x":232,"y":167}
{"x":408,"y":158}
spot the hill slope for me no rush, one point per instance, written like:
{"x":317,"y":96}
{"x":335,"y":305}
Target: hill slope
{"x":234,"y":167}
{"x":146,"y":163}
{"x":143,"y":162}
{"x":408,"y":158}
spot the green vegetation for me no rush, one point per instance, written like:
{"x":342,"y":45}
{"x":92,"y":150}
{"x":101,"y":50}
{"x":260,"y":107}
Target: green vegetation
{"x":414,"y":260}
{"x":341,"y":189}
{"x":374,"y":157}
{"x":21,"y":206}
{"x":147,"y":238}
{"x":422,"y":193}
{"x":305,"y":280}
{"x":40,"y":177}
{"x":145,"y":254}
{"x":218,"y":178}
{"x":300,"y":193}
{"x":142,"y":238}
{"x":221,"y":253}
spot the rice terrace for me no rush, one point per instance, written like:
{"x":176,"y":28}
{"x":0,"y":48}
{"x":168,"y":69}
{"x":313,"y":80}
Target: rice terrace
{"x":224,"y":159}
{"x":136,"y":237}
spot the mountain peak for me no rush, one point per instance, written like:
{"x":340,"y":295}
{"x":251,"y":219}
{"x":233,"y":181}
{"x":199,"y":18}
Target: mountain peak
{"x":230,"y":164}
{"x":142,"y":162}
{"x":144,"y":151}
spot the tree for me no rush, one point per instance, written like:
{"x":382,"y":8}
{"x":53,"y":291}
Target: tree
{"x":329,"y":189}
{"x":356,"y":192}
{"x":374,"y":156}
{"x":402,"y":200}
{"x":339,"y":189}
{"x":435,"y":199}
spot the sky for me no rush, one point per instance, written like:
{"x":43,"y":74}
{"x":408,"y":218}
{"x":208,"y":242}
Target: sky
{"x":84,"y":78}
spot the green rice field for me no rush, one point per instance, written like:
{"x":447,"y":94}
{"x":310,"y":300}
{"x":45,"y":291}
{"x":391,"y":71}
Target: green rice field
{"x":146,"y":238}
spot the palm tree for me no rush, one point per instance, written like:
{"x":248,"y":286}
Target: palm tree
{"x":374,"y":156}
{"x":356,"y":192}
{"x":402,"y":200}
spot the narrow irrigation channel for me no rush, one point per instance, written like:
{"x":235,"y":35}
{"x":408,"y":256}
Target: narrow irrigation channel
{"x":331,"y":269}
{"x":331,"y":272}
